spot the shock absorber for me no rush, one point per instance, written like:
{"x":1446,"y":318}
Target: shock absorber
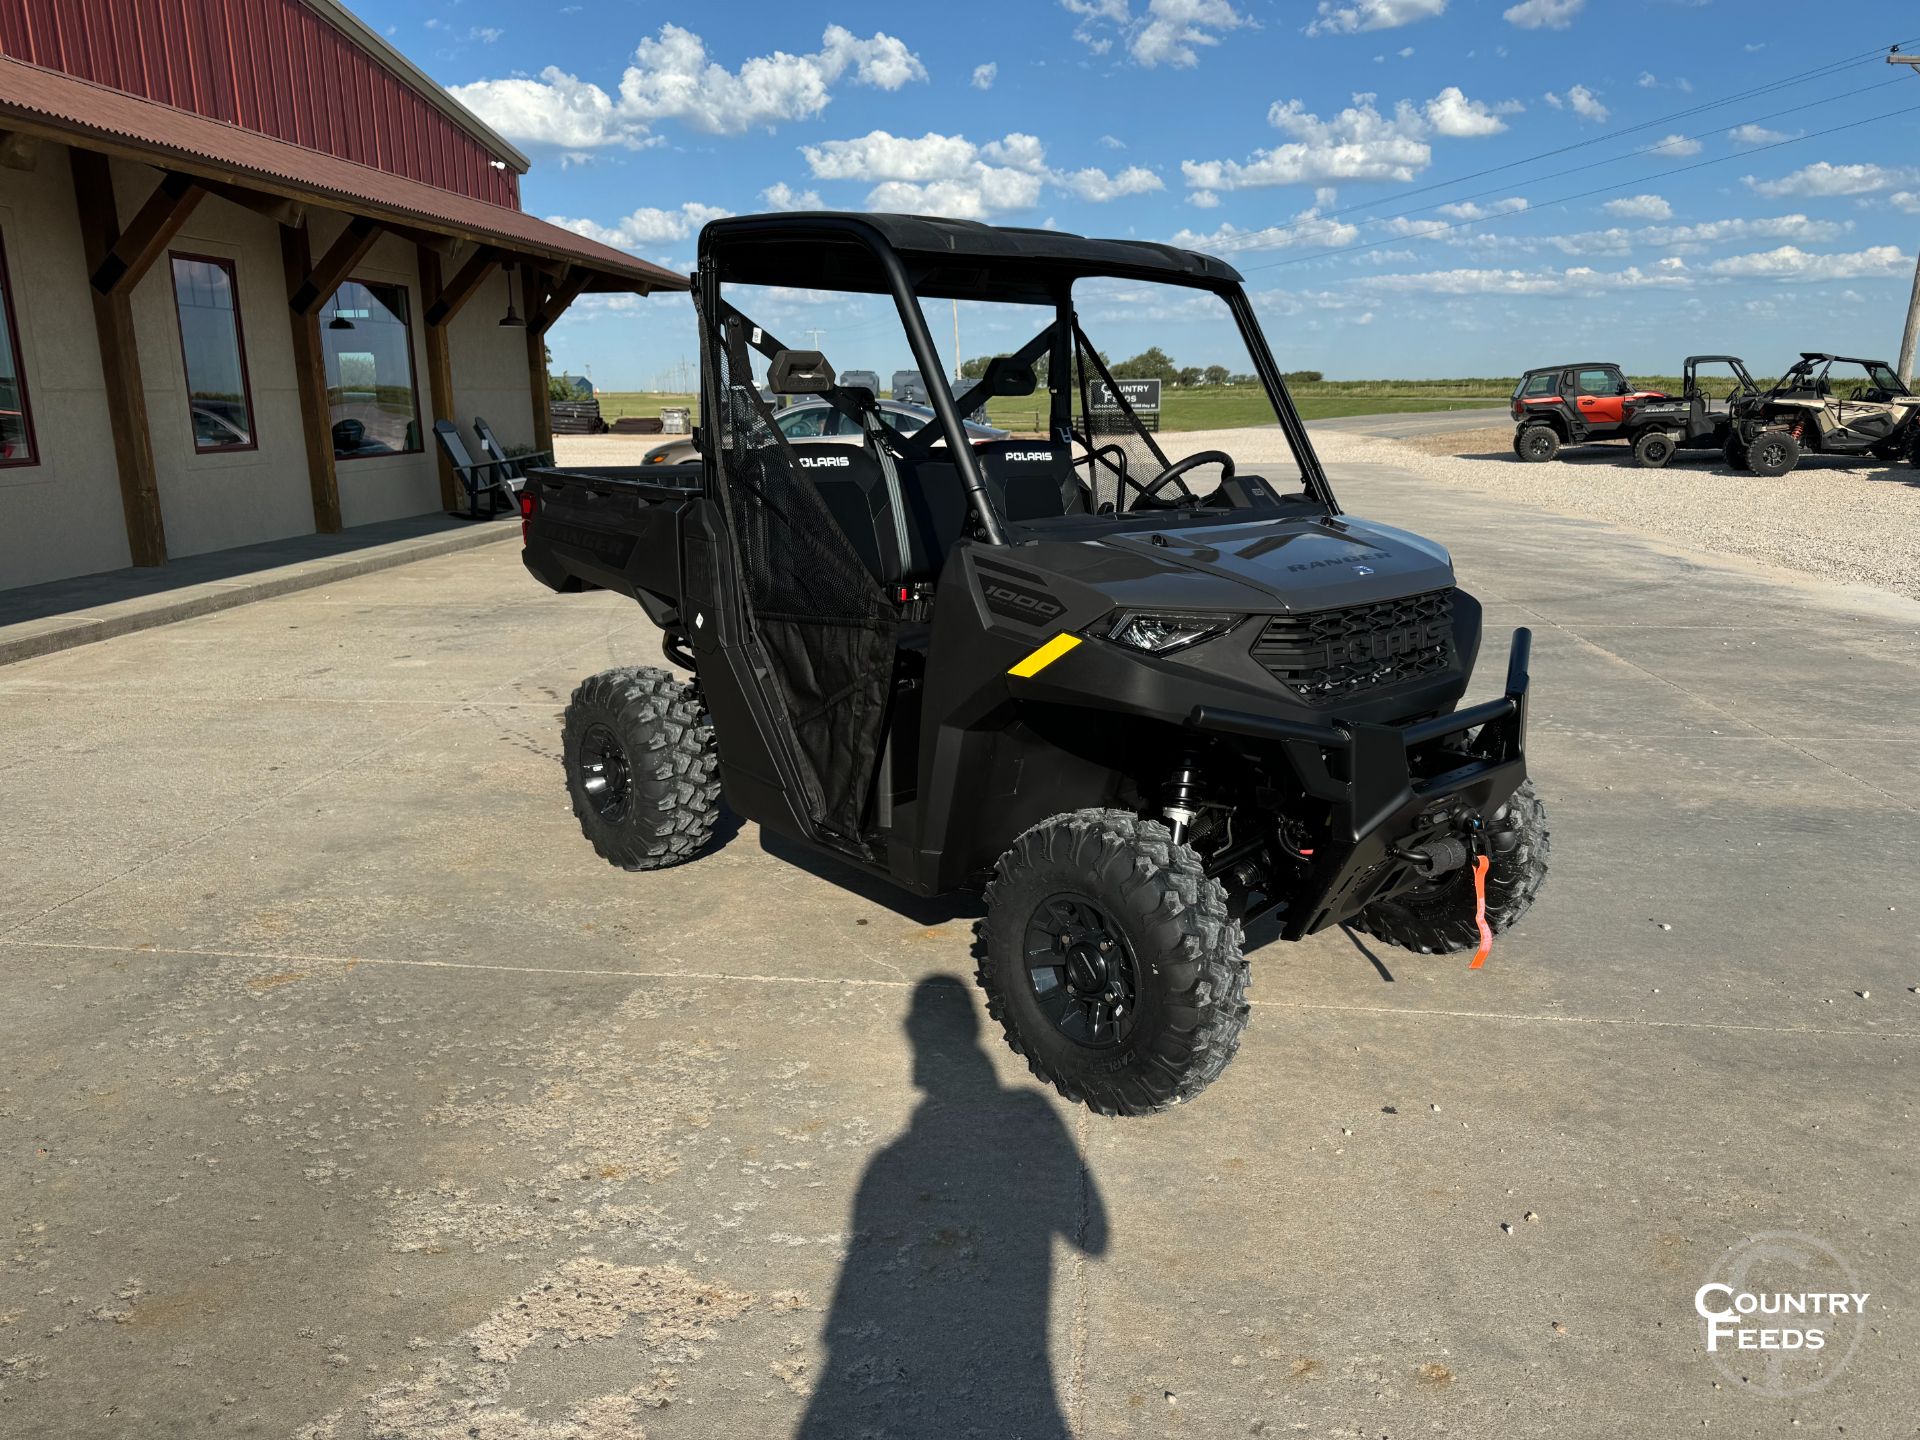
{"x":1182,"y":805}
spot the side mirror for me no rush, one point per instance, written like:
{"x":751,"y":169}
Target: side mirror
{"x":799,"y":372}
{"x":1004,"y":378}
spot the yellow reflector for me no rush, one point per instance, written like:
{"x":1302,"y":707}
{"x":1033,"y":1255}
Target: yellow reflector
{"x":1044,"y":656}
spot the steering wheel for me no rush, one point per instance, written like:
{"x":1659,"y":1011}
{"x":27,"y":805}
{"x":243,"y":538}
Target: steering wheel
{"x":1150,"y":491}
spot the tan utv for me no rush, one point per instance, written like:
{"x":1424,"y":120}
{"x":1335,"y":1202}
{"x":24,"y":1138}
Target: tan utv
{"x":1825,"y":405}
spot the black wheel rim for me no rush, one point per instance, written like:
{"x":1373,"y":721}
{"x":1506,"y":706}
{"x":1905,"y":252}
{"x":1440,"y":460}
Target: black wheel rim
{"x":605,"y":775}
{"x":1083,"y":973}
{"x":1773,"y":454}
{"x":1538,"y":445}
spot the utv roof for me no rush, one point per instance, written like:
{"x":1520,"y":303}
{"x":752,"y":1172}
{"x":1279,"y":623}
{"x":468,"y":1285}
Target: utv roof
{"x":1575,"y":365}
{"x":963,"y":259}
{"x":1812,"y":355}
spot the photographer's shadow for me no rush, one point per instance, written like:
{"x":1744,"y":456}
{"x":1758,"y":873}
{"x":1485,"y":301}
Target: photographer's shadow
{"x":939,"y":1324}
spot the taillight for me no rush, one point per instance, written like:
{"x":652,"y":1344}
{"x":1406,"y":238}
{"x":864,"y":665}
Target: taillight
{"x":526,"y":517}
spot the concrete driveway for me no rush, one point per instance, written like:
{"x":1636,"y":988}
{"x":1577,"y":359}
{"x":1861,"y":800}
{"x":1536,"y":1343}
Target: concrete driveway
{"x":348,"y":1094}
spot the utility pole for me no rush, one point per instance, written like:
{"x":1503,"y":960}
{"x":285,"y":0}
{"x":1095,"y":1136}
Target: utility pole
{"x":1911,"y":334}
{"x":956,"y":336}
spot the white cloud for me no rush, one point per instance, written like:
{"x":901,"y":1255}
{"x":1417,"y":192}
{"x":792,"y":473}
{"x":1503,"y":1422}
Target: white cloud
{"x":1099,"y":187}
{"x":950,"y":175}
{"x":1905,"y":200}
{"x":646,"y":226}
{"x":1544,"y":14}
{"x":1674,"y":145}
{"x":1619,"y":240}
{"x":1207,"y":200}
{"x":1582,"y":101}
{"x":1822,"y":179}
{"x":1467,"y":210}
{"x":1452,"y":114}
{"x":1790,"y":262}
{"x":984,"y":75}
{"x":1650,"y":81}
{"x":1574,"y":280}
{"x":1360,"y":143}
{"x":671,"y":77}
{"x":782,"y":196}
{"x":1112,"y":142}
{"x":1307,"y":229}
{"x":1168,"y":32}
{"x":1640,"y":207}
{"x":1756,"y":135}
{"x":1357,"y":15}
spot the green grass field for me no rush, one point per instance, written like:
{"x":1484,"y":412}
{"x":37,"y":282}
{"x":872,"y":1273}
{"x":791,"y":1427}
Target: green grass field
{"x":1222,"y":407}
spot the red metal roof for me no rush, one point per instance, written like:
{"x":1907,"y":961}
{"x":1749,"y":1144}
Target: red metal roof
{"x":276,"y":67}
{"x":43,"y":101}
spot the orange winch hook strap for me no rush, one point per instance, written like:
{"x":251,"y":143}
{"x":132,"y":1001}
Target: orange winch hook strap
{"x":1480,"y":866}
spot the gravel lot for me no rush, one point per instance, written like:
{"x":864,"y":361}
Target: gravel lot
{"x":1857,"y":524}
{"x":1852,"y":523}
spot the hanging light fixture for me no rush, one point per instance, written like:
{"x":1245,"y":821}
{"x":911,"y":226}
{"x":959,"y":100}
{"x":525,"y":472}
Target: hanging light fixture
{"x":339,"y":321}
{"x":511,"y":320}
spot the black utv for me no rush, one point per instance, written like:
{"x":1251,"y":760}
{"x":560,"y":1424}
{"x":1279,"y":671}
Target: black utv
{"x":1137,"y":699}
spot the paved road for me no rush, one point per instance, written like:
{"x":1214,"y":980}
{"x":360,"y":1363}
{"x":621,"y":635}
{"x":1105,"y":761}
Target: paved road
{"x":1415,"y":423}
{"x":348,"y":1094}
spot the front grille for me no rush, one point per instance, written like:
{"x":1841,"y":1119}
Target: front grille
{"x":1327,"y":655}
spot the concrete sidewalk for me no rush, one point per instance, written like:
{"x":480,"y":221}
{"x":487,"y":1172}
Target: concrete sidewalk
{"x":40,"y":619}
{"x":354,"y":1096}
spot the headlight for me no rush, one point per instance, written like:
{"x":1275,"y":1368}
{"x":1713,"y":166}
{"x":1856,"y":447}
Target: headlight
{"x":1163,"y":634}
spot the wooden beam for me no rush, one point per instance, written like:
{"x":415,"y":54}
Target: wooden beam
{"x":439,"y":375}
{"x":537,"y":365}
{"x":126,"y":393}
{"x":453,"y":299}
{"x":553,"y":306}
{"x":273,"y":207}
{"x":310,"y":375}
{"x":17,"y":151}
{"x":149,"y":234}
{"x":445,"y":246}
{"x":328,"y":276}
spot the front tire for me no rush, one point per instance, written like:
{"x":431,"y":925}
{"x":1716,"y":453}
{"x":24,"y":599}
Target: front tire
{"x":1109,"y":959}
{"x":1773,"y":453}
{"x":641,"y":768}
{"x":1735,"y":452}
{"x":1536,"y":443}
{"x":1653,"y":449}
{"x":1438,"y":918}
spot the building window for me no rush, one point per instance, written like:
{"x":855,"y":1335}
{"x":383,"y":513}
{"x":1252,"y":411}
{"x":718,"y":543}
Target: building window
{"x":218,"y":399}
{"x":16,"y":420}
{"x":368,"y":342}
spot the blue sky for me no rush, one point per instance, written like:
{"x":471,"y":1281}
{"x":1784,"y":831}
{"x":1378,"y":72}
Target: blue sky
{"x":1333,"y":151}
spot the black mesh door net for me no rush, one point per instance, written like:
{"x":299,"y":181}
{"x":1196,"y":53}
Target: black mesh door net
{"x":824,"y":630}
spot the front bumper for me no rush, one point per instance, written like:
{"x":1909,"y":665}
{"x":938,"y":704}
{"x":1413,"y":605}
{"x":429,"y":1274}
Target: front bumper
{"x":1386,"y":786}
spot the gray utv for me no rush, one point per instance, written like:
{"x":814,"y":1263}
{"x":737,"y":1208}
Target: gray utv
{"x":1135,"y":698}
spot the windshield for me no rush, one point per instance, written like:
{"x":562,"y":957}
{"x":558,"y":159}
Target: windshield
{"x":1107,"y":404}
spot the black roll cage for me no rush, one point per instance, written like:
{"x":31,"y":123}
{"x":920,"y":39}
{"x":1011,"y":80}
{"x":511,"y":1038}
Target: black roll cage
{"x":1203,"y":273}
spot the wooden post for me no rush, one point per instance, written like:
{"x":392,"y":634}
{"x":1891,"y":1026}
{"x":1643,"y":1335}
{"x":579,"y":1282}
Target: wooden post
{"x":537,"y":360}
{"x":310,"y":373}
{"x":120,"y":363}
{"x":439,"y":372}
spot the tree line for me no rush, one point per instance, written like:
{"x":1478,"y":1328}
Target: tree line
{"x":1153,"y":363}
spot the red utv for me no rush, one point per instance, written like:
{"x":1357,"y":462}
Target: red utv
{"x":1557,"y":405}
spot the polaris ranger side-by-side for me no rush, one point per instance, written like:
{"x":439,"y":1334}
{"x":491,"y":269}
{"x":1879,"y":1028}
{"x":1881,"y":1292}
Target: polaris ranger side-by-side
{"x":1136,"y":707}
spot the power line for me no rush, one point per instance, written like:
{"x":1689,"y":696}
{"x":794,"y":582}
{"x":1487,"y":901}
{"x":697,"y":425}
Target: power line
{"x":1802,"y":77}
{"x":1587,"y":194}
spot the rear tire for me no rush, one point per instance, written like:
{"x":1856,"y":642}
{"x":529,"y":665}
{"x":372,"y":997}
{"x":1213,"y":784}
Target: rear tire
{"x":1438,"y":918}
{"x":1773,"y":453}
{"x":1536,"y":443}
{"x":1653,"y":449}
{"x":1109,"y":959}
{"x":641,"y":768}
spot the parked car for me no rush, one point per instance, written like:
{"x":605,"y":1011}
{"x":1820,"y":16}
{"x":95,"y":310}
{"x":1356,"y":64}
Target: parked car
{"x":1555,"y":405}
{"x":814,"y":420}
{"x":1826,"y":405}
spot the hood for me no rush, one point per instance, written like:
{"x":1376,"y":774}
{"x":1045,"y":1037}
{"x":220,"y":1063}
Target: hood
{"x":1276,"y":565}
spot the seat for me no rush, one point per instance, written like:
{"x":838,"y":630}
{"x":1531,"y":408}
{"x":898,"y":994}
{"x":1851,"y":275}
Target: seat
{"x":515,"y":467}
{"x":1031,"y":479}
{"x":482,"y":479}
